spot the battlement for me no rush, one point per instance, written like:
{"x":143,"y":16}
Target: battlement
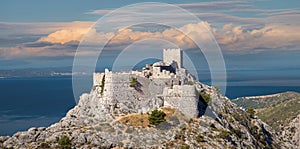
{"x":159,"y":84}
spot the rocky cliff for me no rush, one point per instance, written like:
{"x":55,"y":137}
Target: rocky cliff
{"x":281,"y":111}
{"x":93,"y":124}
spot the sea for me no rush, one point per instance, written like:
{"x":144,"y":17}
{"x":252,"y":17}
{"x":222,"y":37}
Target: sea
{"x":41,"y":101}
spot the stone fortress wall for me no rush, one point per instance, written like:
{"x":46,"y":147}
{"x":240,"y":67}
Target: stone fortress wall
{"x":97,"y":79}
{"x":183,"y":97}
{"x":156,"y":87}
{"x":170,"y":55}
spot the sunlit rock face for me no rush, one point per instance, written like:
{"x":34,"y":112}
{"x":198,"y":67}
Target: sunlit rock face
{"x":116,"y":114}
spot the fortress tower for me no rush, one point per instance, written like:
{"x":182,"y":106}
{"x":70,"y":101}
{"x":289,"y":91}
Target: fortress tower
{"x":170,"y":55}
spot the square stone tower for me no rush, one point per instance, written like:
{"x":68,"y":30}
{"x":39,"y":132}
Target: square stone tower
{"x":170,"y":55}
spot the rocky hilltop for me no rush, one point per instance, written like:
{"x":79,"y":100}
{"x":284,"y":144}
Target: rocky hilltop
{"x":160,"y":106}
{"x":281,"y":111}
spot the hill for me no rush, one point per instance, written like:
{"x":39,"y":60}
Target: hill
{"x":281,"y":111}
{"x":91,"y":124}
{"x":159,"y":106}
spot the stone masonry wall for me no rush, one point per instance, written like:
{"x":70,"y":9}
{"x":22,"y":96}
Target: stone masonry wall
{"x":183,"y":97}
{"x":97,"y":79}
{"x":120,"y":98}
{"x":170,"y":55}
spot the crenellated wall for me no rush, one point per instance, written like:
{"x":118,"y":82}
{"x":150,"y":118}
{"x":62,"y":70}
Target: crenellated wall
{"x":160,"y":84}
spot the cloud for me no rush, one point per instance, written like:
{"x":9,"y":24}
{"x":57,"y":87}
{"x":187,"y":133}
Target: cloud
{"x":39,"y":28}
{"x":231,"y":37}
{"x":203,"y":6}
{"x":39,"y":49}
{"x":100,"y":12}
{"x":216,"y":6}
{"x":270,"y":37}
{"x":50,"y":39}
{"x":263,"y":30}
{"x":65,"y":35}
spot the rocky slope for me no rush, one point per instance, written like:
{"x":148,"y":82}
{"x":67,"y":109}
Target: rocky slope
{"x":280,"y":111}
{"x":91,"y":124}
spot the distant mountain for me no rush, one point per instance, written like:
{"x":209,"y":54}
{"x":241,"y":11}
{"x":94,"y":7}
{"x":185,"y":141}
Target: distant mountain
{"x":39,"y":72}
{"x":281,"y":111}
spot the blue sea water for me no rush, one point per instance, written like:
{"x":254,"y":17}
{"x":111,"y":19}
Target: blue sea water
{"x":42,"y":101}
{"x":28,"y":102}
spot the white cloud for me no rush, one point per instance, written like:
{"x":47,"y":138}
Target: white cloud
{"x":273,"y":30}
{"x":269,"y":37}
{"x":65,"y":35}
{"x":232,"y":38}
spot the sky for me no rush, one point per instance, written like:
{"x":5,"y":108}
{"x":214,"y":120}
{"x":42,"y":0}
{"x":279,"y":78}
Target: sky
{"x":252,"y":34}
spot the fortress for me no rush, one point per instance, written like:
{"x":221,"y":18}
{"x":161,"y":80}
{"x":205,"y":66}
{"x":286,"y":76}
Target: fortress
{"x":162,"y":84}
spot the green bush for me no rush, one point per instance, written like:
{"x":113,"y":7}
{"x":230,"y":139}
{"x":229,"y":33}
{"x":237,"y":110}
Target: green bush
{"x":205,"y":97}
{"x":185,"y":147}
{"x":225,"y":134}
{"x":64,"y":142}
{"x":156,"y":117}
{"x":237,"y":132}
{"x":133,"y":82}
{"x":251,"y":112}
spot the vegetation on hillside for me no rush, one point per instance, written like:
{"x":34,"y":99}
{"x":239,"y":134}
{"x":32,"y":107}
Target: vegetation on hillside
{"x":204,"y":97}
{"x":265,"y":101}
{"x":251,"y":111}
{"x":277,"y":110}
{"x":280,"y":114}
{"x":133,"y":82}
{"x":156,"y":117}
{"x":64,"y":142}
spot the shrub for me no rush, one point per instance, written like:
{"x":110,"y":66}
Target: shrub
{"x":179,"y":136}
{"x":213,"y":127}
{"x":293,"y":129}
{"x":225,"y":134}
{"x":205,"y":97}
{"x":237,"y":132}
{"x":200,"y":138}
{"x":44,"y":145}
{"x":64,"y":142}
{"x":251,"y":112}
{"x":185,"y":147}
{"x":156,"y":117}
{"x":133,"y":82}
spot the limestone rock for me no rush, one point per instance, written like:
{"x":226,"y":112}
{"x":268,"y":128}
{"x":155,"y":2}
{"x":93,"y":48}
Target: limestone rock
{"x":96,"y":121}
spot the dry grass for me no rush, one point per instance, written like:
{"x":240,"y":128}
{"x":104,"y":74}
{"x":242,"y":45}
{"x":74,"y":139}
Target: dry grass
{"x":117,"y":147}
{"x":169,"y":111}
{"x":134,"y":119}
